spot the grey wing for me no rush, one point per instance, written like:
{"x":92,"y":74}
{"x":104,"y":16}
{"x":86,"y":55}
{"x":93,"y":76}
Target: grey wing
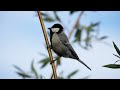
{"x":65,"y":41}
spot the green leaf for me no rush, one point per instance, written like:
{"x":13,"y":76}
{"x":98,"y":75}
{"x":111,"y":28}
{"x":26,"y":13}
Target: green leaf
{"x":34,"y":70}
{"x":90,"y":29}
{"x":113,"y":66}
{"x":19,"y":69}
{"x":95,"y":24}
{"x":91,"y":26}
{"x":24,"y":75}
{"x":78,"y":35}
{"x":117,"y":49}
{"x":56,"y":16}
{"x":44,"y":14}
{"x":103,"y":37}
{"x":48,"y":19}
{"x":44,"y":62}
{"x":21,"y":72}
{"x":72,"y":73}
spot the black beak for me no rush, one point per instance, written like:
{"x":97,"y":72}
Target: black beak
{"x":49,"y":28}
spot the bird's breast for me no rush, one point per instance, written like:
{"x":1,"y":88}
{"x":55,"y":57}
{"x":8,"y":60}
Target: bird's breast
{"x":55,"y":39}
{"x":57,"y":45}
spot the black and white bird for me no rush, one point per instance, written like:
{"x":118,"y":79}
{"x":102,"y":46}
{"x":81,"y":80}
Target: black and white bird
{"x":61,"y":45}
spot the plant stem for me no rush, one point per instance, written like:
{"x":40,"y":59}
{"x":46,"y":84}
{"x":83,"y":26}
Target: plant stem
{"x":76,"y":24}
{"x":47,"y":43}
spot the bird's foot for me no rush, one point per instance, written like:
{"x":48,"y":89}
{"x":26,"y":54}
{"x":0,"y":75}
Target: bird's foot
{"x":52,"y":61}
{"x":49,"y":47}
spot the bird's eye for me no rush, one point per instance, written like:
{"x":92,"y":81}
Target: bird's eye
{"x":55,"y":29}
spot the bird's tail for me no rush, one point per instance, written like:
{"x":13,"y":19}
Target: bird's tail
{"x":83,"y":63}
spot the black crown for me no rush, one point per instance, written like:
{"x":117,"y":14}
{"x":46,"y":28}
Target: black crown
{"x":57,"y":26}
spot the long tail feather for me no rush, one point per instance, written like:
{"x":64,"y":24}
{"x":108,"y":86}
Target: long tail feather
{"x":83,"y":63}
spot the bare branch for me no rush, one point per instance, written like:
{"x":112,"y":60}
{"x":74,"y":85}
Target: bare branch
{"x":47,"y":43}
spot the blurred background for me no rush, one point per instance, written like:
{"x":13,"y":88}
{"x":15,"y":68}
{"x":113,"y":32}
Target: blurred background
{"x":22,"y":41}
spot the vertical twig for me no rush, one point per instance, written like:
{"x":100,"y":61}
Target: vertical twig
{"x":56,"y":67}
{"x":47,"y":43}
{"x":76,"y":24}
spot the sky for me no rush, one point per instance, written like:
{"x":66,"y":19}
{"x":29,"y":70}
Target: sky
{"x":22,"y":40}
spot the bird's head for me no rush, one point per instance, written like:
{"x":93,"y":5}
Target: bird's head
{"x":56,"y":28}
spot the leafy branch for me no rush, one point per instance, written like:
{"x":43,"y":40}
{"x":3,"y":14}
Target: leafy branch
{"x":76,"y":24}
{"x":31,"y":74}
{"x":115,"y":66}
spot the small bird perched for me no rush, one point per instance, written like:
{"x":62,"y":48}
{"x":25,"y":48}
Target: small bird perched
{"x":61,"y":45}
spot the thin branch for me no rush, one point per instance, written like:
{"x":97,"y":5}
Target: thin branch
{"x":76,"y":24}
{"x":47,"y":43}
{"x":116,"y":55}
{"x":56,"y":67}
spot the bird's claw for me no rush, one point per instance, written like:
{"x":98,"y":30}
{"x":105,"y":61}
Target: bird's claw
{"x":52,"y":61}
{"x":49,"y":47}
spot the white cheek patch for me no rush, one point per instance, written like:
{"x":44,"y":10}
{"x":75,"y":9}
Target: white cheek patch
{"x":55,"y":29}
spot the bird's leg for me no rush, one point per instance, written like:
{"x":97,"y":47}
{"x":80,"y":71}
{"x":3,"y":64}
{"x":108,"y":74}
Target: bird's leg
{"x":49,"y":47}
{"x":57,"y":58}
{"x":53,"y":61}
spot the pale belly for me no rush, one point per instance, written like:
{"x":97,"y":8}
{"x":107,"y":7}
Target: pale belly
{"x":58,"y":47}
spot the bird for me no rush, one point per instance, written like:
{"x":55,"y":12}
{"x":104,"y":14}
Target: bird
{"x":61,"y":45}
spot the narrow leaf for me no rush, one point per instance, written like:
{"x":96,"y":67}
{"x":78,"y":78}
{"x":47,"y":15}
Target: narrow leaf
{"x":89,"y":28}
{"x":48,"y":19}
{"x":92,"y":25}
{"x":78,"y":35}
{"x":116,"y":55}
{"x":103,"y":37}
{"x":44,"y":62}
{"x":24,"y":75}
{"x":56,"y":16}
{"x":71,"y":74}
{"x":34,"y":70}
{"x":19,"y":69}
{"x":117,"y":49}
{"x":95,"y":24}
{"x":44,"y":14}
{"x":113,"y":66}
